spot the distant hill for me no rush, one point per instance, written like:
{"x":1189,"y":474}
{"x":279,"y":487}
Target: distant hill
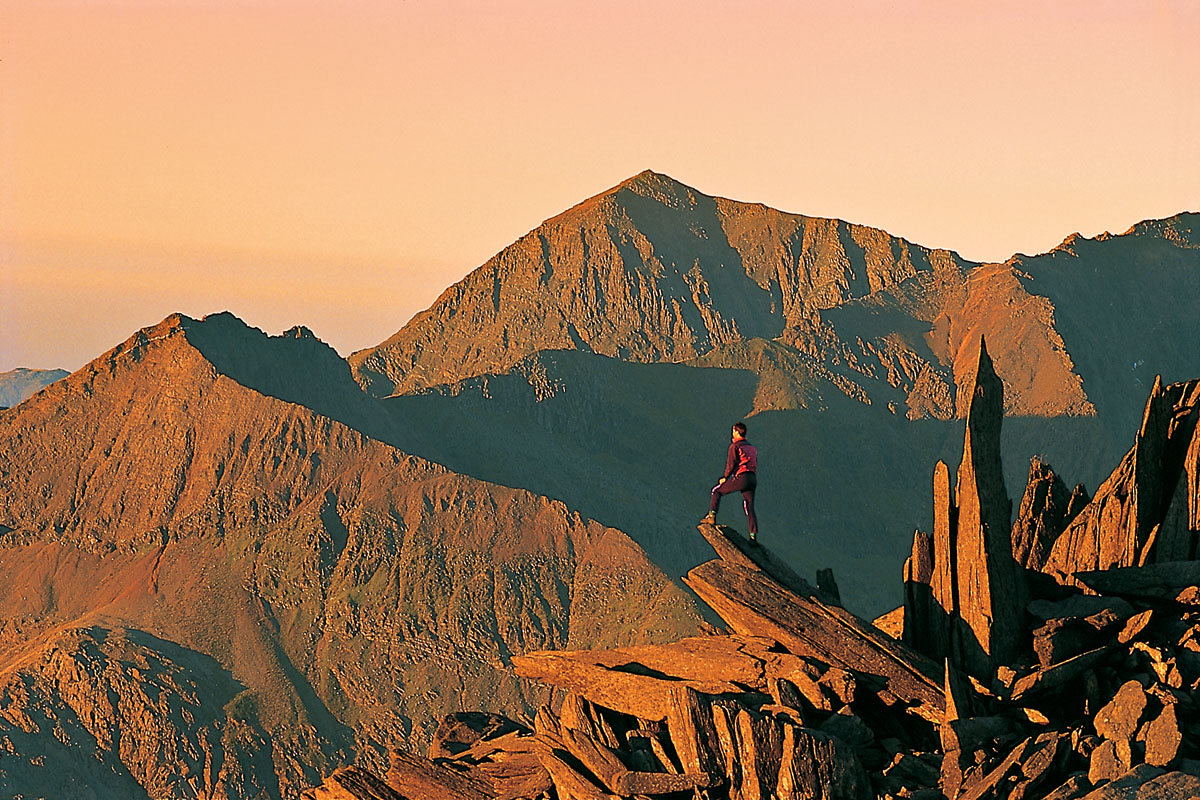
{"x":203,"y":522}
{"x":19,"y":384}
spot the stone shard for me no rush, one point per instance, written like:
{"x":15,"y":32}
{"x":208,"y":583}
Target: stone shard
{"x":510,"y":764}
{"x":1061,"y":639}
{"x":827,"y":588}
{"x":412,"y":776}
{"x":918,"y":608}
{"x":1045,"y":754}
{"x":693,"y":731}
{"x":638,"y":680}
{"x":1073,"y":788}
{"x":1162,"y":738}
{"x":604,"y":763}
{"x":944,"y":583}
{"x":960,"y":698}
{"x":891,"y":623}
{"x":1178,"y":534}
{"x":1041,"y":516}
{"x":351,"y":783}
{"x":1078,"y":500}
{"x":578,"y":713}
{"x":990,"y":590}
{"x":1041,"y":681}
{"x":1108,"y":761}
{"x":815,"y":765}
{"x":458,"y":732}
{"x":761,"y":753}
{"x":988,"y":785}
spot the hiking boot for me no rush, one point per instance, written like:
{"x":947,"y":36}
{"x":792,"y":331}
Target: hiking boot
{"x":710,"y":519}
{"x":754,"y":538}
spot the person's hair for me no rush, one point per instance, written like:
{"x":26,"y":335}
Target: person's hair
{"x":740,"y":427}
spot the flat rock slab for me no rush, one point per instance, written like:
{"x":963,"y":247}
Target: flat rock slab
{"x":733,"y":548}
{"x":1145,"y":782}
{"x":639,"y":680}
{"x":1079,"y":605}
{"x":351,"y":783}
{"x":1161,"y":581}
{"x":1056,"y":675}
{"x":753,"y":603}
{"x":412,"y":777}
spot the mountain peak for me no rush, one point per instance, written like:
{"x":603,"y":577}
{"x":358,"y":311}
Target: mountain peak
{"x":658,"y":186}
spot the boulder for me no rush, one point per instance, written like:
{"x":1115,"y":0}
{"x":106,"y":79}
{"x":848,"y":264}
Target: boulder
{"x":1161,"y":738}
{"x":1118,"y":720}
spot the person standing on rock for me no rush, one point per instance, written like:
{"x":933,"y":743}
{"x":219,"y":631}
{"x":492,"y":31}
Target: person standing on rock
{"x":741,"y":467}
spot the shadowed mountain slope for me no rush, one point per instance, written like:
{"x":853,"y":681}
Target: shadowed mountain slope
{"x":638,"y":446}
{"x":345,"y":593}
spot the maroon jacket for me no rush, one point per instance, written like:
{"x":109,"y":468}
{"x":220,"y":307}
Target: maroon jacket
{"x":743,"y":457}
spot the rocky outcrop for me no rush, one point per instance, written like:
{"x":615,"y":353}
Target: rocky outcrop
{"x":963,"y":585}
{"x":1093,"y":697}
{"x":1148,"y":510}
{"x":742,"y":715}
{"x":1045,"y":509}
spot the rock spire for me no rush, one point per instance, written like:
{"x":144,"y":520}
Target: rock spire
{"x":975,"y":588}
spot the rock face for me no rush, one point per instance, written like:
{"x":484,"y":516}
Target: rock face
{"x":179,"y":523}
{"x":963,"y":585}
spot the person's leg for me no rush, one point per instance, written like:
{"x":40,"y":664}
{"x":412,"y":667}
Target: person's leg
{"x":715,"y":502}
{"x":748,"y":505}
{"x":735,"y":484}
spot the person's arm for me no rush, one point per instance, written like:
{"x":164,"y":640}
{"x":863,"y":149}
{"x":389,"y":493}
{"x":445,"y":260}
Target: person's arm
{"x":730,"y":462}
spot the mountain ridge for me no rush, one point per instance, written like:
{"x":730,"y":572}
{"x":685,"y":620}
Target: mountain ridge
{"x":694,"y":269}
{"x":654,"y":271}
{"x":150,"y":494}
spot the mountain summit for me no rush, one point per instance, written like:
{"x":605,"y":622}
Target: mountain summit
{"x":655,"y":271}
{"x":651,"y":270}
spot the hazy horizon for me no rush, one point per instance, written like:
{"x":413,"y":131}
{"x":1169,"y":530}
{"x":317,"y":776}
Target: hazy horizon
{"x":338,"y":167}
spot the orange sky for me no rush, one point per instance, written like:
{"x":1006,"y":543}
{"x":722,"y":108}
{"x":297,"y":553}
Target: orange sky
{"x":337,"y":164}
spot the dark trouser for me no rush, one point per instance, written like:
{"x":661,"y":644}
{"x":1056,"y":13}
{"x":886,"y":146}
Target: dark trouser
{"x":743,"y":482}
